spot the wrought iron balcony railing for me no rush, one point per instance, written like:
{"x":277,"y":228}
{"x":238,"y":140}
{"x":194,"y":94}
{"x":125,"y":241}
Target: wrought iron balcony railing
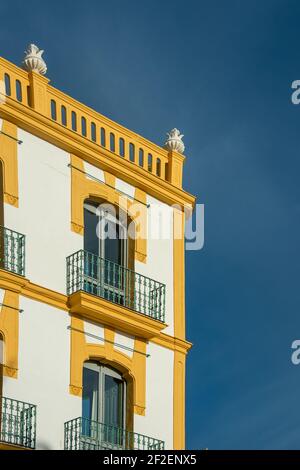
{"x":84,"y":434}
{"x":17,"y":423}
{"x":101,"y":277}
{"x":12,"y":251}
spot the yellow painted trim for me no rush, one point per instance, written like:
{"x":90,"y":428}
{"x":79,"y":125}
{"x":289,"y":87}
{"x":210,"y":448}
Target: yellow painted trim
{"x":179,"y":401}
{"x":132,"y":368}
{"x":99,"y":310}
{"x":176,"y":161}
{"x":41,"y":126}
{"x":109,"y":179}
{"x":139,"y":214}
{"x":9,"y":329}
{"x":139,"y":372}
{"x":179,"y":329}
{"x":9,"y":158}
{"x":38,"y":92}
{"x":44,"y":295}
{"x":83,"y":188}
{"x":179,"y":273}
{"x":4,"y":446}
{"x":172,"y":343}
{"x":21,"y":285}
{"x":40,"y":95}
{"x":12,"y":281}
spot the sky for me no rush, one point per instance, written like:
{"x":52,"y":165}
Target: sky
{"x":221,"y":72}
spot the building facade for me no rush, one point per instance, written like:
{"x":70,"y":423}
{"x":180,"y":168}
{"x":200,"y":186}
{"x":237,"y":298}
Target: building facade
{"x":92,"y":327}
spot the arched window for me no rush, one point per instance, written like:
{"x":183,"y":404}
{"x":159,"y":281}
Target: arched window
{"x":63,"y":115}
{"x":53,"y":110}
{"x":83,"y":126}
{"x":19,"y":90}
{"x":122,"y":147}
{"x":131,"y":152}
{"x":103,"y":404}
{"x":141,"y":157}
{"x":112,"y":142}
{"x":105,"y":235}
{"x":7,"y":84}
{"x":106,"y":252}
{"x":74,"y":121}
{"x":102,"y":137}
{"x":93,"y":131}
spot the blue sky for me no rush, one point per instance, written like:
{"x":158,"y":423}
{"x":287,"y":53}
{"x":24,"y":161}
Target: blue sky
{"x":221,"y":72}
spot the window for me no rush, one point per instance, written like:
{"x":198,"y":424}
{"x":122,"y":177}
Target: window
{"x":19,"y":90}
{"x":83,"y":126}
{"x":104,"y":234}
{"x":63,"y":115}
{"x":112,"y":142}
{"x":105,"y":244}
{"x":131,"y":152}
{"x":141,"y":157}
{"x":7,"y":84}
{"x":74,"y":121}
{"x":93,"y":131}
{"x":103,"y":405}
{"x":53,"y":110}
{"x":122,"y":147}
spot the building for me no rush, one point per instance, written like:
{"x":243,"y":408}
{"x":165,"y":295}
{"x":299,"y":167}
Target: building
{"x":92,"y":327}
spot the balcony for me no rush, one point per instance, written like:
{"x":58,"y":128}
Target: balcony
{"x":94,"y":275}
{"x":84,"y":434}
{"x":17,"y":423}
{"x":12,"y":251}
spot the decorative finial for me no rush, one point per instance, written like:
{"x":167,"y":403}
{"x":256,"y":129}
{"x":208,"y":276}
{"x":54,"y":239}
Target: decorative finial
{"x":33,"y":61}
{"x":174,"y":141}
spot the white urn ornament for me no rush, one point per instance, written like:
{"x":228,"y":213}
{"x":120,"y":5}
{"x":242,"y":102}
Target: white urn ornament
{"x":174,"y":141}
{"x":33,"y":61}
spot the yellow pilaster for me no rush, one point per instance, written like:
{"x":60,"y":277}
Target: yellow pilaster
{"x":175,"y":168}
{"x":9,"y":329}
{"x":179,"y":273}
{"x":179,"y":329}
{"x":38,"y":93}
{"x":9,"y":158}
{"x":78,"y":355}
{"x":139,"y":370}
{"x":179,"y":400}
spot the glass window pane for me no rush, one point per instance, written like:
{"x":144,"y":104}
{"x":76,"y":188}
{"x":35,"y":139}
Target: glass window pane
{"x":90,"y":398}
{"x":91,"y":242}
{"x":113,"y":246}
{"x":113,"y":409}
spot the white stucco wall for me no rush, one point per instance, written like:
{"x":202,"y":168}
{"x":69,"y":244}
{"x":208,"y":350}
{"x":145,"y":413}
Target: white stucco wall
{"x":44,"y":371}
{"x":158,"y":421}
{"x":159,"y":264}
{"x":124,"y":343}
{"x":44,"y":213}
